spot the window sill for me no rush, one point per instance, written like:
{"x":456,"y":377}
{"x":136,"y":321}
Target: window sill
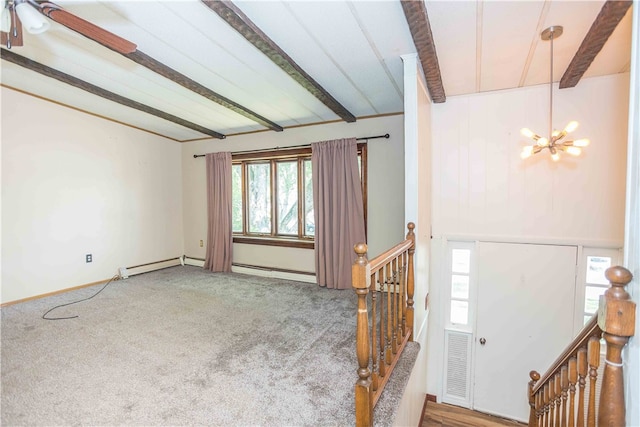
{"x":268,"y":241}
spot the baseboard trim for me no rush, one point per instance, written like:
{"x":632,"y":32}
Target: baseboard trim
{"x":50,"y":294}
{"x":153,"y":266}
{"x":432,"y":398}
{"x":133,"y":270}
{"x":279,"y":270}
{"x":274,"y":272}
{"x":259,"y":270}
{"x":424,"y":408}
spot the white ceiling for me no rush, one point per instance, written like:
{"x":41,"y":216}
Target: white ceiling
{"x":351,"y":48}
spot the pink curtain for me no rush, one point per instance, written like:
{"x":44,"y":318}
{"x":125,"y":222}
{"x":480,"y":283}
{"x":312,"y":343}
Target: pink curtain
{"x":219,"y":234}
{"x":338,"y":210}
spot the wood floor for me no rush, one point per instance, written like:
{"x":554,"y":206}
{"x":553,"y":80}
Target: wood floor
{"x":443,"y":415}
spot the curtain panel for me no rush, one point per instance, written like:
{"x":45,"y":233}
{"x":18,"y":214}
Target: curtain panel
{"x":338,"y":210}
{"x":219,"y":229}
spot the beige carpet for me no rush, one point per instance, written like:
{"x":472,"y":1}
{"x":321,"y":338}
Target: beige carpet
{"x":183,"y":346}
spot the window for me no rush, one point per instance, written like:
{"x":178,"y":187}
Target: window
{"x":459,"y":283}
{"x":593,"y":263}
{"x":273,"y":196}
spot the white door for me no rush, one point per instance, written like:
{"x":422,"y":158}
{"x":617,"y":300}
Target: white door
{"x":524,"y":320}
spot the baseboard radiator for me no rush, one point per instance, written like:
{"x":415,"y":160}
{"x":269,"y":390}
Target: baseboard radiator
{"x":552,"y":396}
{"x":257,"y":270}
{"x":152,"y":266}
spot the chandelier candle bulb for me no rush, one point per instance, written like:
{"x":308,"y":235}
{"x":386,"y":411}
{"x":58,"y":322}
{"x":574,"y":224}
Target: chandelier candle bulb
{"x":526,"y":152}
{"x":574,"y":151}
{"x":571,"y":127}
{"x":543,"y":142}
{"x":581,"y":142}
{"x":527,"y":132}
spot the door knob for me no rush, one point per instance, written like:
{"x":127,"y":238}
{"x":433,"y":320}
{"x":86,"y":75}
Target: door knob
{"x":482,"y":341}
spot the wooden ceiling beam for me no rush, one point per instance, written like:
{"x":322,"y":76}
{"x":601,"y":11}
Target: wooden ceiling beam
{"x":154,"y":65}
{"x":250,"y":31}
{"x":603,"y":26}
{"x":129,"y":50}
{"x":415,"y":12}
{"x":95,"y":90}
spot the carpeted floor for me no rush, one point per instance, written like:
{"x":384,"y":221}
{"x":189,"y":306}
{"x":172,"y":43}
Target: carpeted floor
{"x":183,"y":346}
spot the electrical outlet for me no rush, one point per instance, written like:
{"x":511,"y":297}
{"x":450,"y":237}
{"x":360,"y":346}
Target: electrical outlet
{"x":88,"y":258}
{"x":201,"y":243}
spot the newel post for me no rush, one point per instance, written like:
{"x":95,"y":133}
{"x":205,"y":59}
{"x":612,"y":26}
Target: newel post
{"x":410,"y":279}
{"x":360,"y":280}
{"x":533,"y":415}
{"x":616,"y":318}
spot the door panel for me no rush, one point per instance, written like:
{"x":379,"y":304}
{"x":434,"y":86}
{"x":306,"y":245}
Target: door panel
{"x":524,"y":320}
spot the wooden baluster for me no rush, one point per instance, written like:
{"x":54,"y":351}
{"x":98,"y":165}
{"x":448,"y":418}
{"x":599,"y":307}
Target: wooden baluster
{"x":564,"y":384}
{"x":552,"y":401}
{"x":546,"y":405}
{"x":558,"y":395}
{"x":392,"y":308}
{"x":410,"y":279}
{"x":593,"y":352}
{"x":582,"y":373}
{"x":616,"y":317}
{"x":573,"y":378}
{"x":401,"y":304}
{"x":532,"y":398}
{"x":374,"y":334}
{"x":404,"y":293}
{"x":398,"y":317}
{"x":360,"y":280}
{"x":540,"y":408}
{"x":383,"y":365}
{"x":388,"y":316}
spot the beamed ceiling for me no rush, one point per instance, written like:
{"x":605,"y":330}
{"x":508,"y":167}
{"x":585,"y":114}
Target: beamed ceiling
{"x":191,"y":69}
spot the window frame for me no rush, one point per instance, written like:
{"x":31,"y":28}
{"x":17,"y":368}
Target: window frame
{"x":470,"y":246}
{"x":584,"y":252}
{"x":299,"y":154}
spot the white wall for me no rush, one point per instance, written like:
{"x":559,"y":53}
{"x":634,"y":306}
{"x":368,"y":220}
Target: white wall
{"x":417,"y":187}
{"x":632,"y":228}
{"x":481,"y":186}
{"x":385,"y":183}
{"x":483,"y":190}
{"x":74,"y":184}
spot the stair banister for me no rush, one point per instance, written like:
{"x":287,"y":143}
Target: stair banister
{"x":552,"y":395}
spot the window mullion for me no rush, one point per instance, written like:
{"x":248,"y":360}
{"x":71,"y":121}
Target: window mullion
{"x":245,"y":198}
{"x":301,"y":201}
{"x":274,"y":197}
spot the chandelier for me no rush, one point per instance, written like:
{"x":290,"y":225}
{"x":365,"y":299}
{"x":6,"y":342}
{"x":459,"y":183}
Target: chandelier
{"x":554,"y":142}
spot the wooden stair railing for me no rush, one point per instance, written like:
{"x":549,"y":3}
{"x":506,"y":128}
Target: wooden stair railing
{"x":552,"y":395}
{"x":383,"y":332}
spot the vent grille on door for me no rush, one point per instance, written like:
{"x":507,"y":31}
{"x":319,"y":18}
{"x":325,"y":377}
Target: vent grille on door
{"x":457,"y":370}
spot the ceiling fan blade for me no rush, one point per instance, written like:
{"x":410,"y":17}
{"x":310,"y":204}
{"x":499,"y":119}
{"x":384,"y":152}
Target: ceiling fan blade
{"x":86,"y":28}
{"x":11,"y":39}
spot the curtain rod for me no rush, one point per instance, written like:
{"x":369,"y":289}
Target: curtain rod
{"x":364,"y":138}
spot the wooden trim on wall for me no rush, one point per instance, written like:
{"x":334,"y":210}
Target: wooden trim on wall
{"x":80,"y":110}
{"x":50,"y":294}
{"x":265,"y":241}
{"x":103,"y":93}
